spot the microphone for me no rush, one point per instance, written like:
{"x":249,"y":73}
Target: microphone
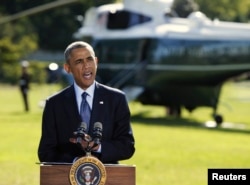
{"x":81,"y":132}
{"x":97,"y":133}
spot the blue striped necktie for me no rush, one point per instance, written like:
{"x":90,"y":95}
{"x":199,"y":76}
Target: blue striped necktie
{"x":85,"y":109}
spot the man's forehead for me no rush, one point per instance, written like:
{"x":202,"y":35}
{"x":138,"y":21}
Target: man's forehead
{"x":88,"y":50}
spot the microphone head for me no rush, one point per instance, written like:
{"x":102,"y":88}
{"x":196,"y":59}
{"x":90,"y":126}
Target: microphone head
{"x":98,"y":125}
{"x":97,"y":131}
{"x":82,"y":128}
{"x":83,"y":125}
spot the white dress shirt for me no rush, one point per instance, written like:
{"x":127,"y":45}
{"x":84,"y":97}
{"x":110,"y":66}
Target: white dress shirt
{"x":90,"y":97}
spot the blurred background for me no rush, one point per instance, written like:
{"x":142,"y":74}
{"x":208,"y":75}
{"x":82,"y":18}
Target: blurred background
{"x":170,"y":150}
{"x":39,"y":30}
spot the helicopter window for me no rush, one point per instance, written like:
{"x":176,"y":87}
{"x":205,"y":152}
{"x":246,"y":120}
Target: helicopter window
{"x":125,"y":19}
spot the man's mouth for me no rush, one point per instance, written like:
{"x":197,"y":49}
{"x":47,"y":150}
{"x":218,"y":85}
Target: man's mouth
{"x":87,"y":75}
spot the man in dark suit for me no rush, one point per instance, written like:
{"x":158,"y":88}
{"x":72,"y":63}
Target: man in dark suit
{"x":61,"y":116}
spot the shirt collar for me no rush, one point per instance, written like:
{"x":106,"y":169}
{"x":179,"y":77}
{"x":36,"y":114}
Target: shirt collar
{"x":79,"y":91}
{"x":89,"y":90}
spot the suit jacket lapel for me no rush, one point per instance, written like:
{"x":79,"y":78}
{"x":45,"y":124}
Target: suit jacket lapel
{"x":97,"y":113}
{"x":71,"y":107}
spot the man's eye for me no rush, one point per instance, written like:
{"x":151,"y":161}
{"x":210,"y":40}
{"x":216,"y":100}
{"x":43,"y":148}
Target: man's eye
{"x":90,"y":59}
{"x":78,"y":62}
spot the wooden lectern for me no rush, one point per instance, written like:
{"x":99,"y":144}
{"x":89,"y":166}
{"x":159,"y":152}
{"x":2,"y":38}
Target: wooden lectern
{"x":58,"y":174}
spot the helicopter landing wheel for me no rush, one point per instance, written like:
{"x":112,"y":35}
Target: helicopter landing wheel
{"x":174,"y":111}
{"x":218,"y":119}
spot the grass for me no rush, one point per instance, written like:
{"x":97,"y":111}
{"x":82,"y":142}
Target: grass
{"x":168,"y":150}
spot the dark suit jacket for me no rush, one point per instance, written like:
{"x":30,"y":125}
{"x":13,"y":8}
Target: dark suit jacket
{"x":61,"y":118}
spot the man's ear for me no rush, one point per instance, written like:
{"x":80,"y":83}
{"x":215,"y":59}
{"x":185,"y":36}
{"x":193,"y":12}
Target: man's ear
{"x":67,"y":68}
{"x":96,"y":59}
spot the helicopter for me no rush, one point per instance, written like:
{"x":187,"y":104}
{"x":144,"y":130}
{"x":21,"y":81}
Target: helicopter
{"x":158,"y":58}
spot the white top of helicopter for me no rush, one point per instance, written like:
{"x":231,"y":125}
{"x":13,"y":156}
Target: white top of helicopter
{"x":162,"y":23}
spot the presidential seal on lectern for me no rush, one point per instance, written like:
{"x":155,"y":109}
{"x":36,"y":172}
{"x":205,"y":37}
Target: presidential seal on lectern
{"x":87,"y":170}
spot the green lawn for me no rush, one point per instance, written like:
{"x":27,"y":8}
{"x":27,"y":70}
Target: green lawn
{"x":168,"y":150}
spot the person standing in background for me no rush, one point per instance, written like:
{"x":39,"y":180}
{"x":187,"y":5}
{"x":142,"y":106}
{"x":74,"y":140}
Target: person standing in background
{"x":24,"y":84}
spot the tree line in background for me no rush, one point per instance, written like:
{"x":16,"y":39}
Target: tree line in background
{"x":49,"y":30}
{"x":52,"y":29}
